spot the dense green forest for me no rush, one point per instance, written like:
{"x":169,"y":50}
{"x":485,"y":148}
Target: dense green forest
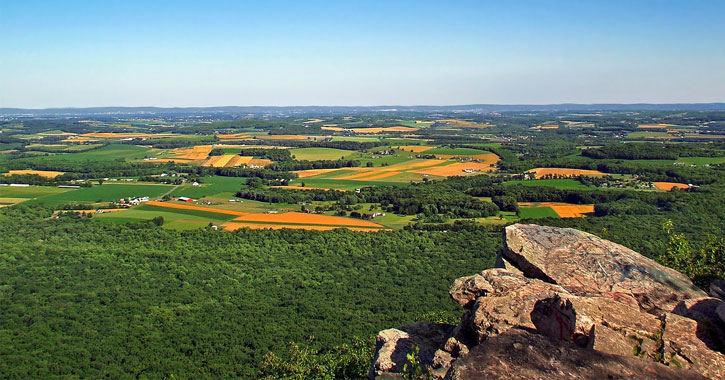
{"x":93,"y":300}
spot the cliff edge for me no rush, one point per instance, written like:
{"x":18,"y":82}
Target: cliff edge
{"x":565,"y":304}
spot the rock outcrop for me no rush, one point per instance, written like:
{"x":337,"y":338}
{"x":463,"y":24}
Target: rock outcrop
{"x":571,"y":305}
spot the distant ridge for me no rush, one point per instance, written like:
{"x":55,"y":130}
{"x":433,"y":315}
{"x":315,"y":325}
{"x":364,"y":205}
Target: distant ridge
{"x":292,"y":110}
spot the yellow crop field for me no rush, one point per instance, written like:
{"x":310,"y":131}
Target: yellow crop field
{"x":414,"y":164}
{"x":565,"y":172}
{"x":313,"y":172}
{"x":221,"y":161}
{"x":192,"y":207}
{"x":233,"y":136}
{"x":303,"y":218}
{"x":378,"y":175}
{"x":414,"y":148}
{"x":259,"y":162}
{"x":458,"y":168}
{"x":667,"y":186}
{"x":42,"y":173}
{"x":357,"y":175}
{"x":487,"y":158}
{"x":197,"y":153}
{"x":331,"y":128}
{"x":238,"y":161}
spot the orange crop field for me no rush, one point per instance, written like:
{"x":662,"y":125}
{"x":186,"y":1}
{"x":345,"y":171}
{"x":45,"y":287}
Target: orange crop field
{"x":303,"y":218}
{"x":455,"y":169}
{"x":414,"y":148}
{"x":572,"y":211}
{"x":231,"y":226}
{"x":667,"y":186}
{"x":565,"y":172}
{"x":198,"y":208}
{"x":42,"y":173}
{"x":564,"y":210}
{"x":282,"y":137}
{"x":331,"y":128}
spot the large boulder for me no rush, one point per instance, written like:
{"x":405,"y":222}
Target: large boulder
{"x":572,"y":306}
{"x":584,"y":264}
{"x":520,"y":354}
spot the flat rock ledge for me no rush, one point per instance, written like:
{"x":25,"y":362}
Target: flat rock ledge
{"x":565,"y":304}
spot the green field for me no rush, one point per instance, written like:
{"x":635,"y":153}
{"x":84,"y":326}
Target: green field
{"x":311,"y":154}
{"x":566,"y":183}
{"x":648,"y":135}
{"x":210,"y":186}
{"x":30,"y":191}
{"x":172,"y":219}
{"x":104,"y":193}
{"x":702,"y":160}
{"x":345,"y":184}
{"x":110,"y":153}
{"x":537,"y":212}
{"x":355,"y":138}
{"x":456,"y":151}
{"x":6,"y":146}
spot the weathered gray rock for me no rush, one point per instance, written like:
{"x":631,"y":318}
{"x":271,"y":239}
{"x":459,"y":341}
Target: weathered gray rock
{"x":520,"y":354}
{"x":393,"y":346}
{"x":586,"y":264}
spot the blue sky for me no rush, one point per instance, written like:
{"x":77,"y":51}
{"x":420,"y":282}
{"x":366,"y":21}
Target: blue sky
{"x":211,"y":53}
